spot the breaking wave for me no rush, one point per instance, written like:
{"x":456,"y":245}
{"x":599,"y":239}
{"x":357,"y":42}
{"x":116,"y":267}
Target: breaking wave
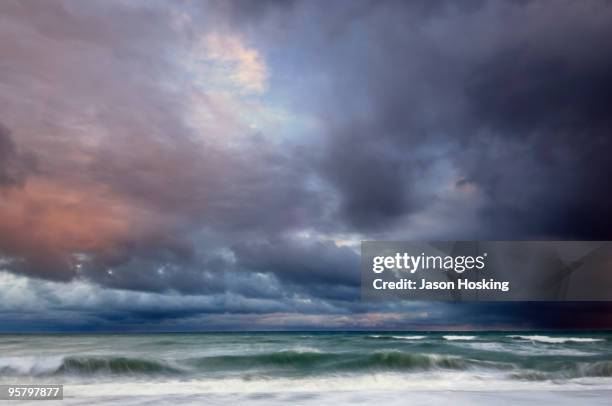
{"x":458,"y":338}
{"x":41,"y":366}
{"x":555,"y":340}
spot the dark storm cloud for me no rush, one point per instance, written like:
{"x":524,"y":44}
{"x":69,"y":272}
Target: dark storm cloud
{"x":374,"y":183}
{"x":523,"y":113}
{"x":334,"y":265}
{"x":555,"y":103}
{"x":530,"y":315}
{"x":302,"y":263}
{"x":527,"y":115}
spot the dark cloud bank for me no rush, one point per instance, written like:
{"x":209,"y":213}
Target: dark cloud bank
{"x":434,"y":120}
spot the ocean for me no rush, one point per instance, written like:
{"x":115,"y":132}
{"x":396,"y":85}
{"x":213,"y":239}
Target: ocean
{"x":315,"y":368}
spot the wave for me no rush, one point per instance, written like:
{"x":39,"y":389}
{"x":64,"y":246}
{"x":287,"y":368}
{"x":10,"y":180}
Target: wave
{"x":397,"y":360}
{"x":321,"y":363}
{"x":304,"y":364}
{"x":384,"y":337}
{"x":301,"y":362}
{"x":47,"y":366}
{"x":458,"y":338}
{"x":114,"y":366}
{"x":555,"y":340}
{"x":23,"y":366}
{"x":298,"y":359}
{"x":409,"y":337}
{"x":524,"y":348}
{"x":597,"y":369}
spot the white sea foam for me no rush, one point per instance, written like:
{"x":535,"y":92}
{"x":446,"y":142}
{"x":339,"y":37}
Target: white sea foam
{"x":30,"y":365}
{"x":392,"y":382}
{"x":136,"y":396}
{"x":409,"y":337}
{"x":459,"y":338}
{"x":399,"y":337}
{"x":303,"y":350}
{"x":525,"y":348}
{"x":555,"y":340}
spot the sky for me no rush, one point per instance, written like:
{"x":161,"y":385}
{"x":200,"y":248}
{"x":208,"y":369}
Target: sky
{"x":214,"y":165}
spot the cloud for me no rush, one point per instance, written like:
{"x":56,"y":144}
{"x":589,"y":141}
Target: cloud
{"x":15,"y":165}
{"x":232,"y":61}
{"x":334,"y":265}
{"x":519,"y":117}
{"x":126,"y":183}
{"x":543,"y":111}
{"x":226,"y":149}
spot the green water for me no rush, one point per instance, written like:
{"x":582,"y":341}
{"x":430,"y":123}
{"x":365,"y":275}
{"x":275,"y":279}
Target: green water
{"x":512,"y":356}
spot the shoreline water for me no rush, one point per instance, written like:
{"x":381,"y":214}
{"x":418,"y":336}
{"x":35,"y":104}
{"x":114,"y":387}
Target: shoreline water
{"x":327,"y":367}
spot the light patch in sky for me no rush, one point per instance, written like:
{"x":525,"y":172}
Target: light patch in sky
{"x":229,"y":93}
{"x":225,"y":60}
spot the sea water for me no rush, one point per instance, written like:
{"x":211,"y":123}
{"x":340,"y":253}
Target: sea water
{"x":315,"y":368}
